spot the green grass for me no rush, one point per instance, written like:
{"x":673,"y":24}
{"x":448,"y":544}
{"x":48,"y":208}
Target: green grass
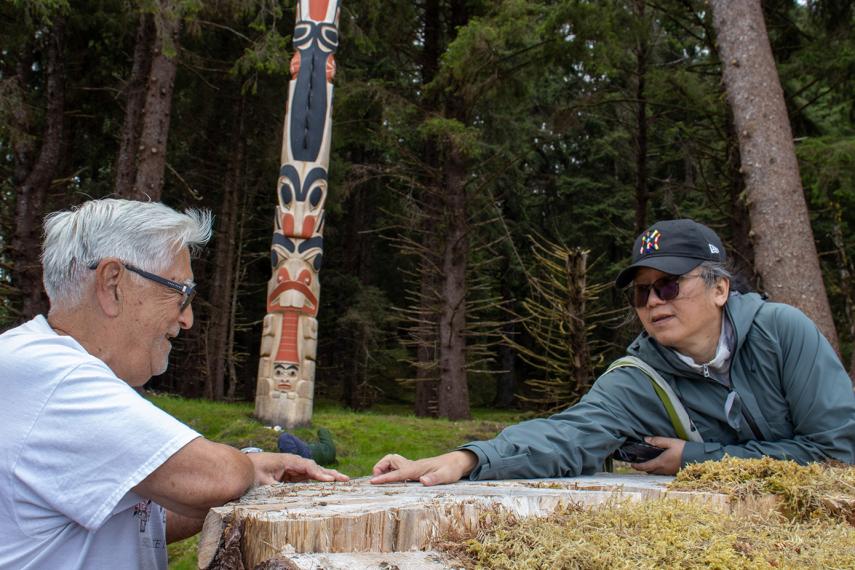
{"x":361,"y":438}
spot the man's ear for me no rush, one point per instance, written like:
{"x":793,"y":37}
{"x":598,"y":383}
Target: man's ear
{"x":722,"y":291}
{"x":107,"y":290}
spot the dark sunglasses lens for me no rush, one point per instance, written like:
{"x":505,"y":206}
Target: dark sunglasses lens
{"x":667,"y":288}
{"x":638,"y":295}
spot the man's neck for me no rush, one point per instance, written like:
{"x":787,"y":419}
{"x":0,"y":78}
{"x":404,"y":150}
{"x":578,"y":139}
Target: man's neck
{"x":705,"y":349}
{"x":92,"y":333}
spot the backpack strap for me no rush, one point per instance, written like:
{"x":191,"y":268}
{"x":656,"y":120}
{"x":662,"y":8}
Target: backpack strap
{"x":683,"y":425}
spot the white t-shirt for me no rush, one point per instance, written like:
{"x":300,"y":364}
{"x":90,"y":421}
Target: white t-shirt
{"x":74,"y":440}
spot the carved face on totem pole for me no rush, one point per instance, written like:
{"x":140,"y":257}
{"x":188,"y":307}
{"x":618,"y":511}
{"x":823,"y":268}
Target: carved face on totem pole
{"x":289,"y":340}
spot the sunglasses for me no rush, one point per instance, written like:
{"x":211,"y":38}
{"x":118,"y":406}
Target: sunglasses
{"x":666,"y":288}
{"x":187,"y":290}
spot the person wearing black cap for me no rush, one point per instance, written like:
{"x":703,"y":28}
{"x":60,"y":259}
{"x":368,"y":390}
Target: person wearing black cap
{"x":713,"y":373}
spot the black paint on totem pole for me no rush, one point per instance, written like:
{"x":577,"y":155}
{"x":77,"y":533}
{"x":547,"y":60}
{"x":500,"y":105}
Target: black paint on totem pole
{"x":309,"y":104}
{"x":287,"y":190}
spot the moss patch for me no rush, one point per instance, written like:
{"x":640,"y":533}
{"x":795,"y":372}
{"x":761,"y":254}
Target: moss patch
{"x":806,"y":491}
{"x":656,"y":534}
{"x":810,"y":531}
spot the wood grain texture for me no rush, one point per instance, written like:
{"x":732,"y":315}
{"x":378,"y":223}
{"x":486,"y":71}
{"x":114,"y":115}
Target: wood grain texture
{"x":356,"y":517}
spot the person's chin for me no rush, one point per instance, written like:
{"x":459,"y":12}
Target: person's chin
{"x":161,"y":366}
{"x":664,"y":336}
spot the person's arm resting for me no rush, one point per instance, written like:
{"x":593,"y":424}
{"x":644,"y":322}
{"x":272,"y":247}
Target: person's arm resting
{"x":201,"y":475}
{"x":204,"y":474}
{"x":179,"y":527}
{"x":575,"y":441}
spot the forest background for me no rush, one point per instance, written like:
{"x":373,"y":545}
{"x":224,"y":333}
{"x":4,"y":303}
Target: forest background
{"x":492,"y":163}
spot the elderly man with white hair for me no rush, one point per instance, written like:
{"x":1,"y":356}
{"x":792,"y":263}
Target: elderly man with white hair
{"x":93,"y":475}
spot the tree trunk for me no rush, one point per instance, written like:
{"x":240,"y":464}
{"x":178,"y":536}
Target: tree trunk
{"x":223,"y":282}
{"x":151,"y":158}
{"x":576,"y":271}
{"x":135,"y":96}
{"x":31,"y":191}
{"x":785,"y":252}
{"x":453,"y":391}
{"x":641,"y":194}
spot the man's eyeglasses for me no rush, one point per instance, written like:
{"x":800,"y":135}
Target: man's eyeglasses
{"x":667,"y":288}
{"x":187,"y":290}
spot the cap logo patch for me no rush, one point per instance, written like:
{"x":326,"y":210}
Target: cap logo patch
{"x":649,"y":241}
{"x":713,"y":249}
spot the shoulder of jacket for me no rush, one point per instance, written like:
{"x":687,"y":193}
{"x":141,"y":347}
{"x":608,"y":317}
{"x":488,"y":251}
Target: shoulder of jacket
{"x":622,"y":378}
{"x":776,"y":314}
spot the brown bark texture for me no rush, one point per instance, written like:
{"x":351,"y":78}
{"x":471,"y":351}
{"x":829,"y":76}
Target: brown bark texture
{"x":453,"y":390}
{"x":151,"y":155}
{"x":135,"y":96}
{"x":32,"y":189}
{"x":576,"y":270}
{"x":453,"y":387}
{"x":223,"y":279}
{"x":785,"y":252}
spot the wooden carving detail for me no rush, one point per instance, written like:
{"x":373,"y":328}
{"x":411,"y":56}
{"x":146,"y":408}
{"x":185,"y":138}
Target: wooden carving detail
{"x":286,"y":370}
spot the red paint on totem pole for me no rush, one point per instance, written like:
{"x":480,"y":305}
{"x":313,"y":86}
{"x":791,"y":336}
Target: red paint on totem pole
{"x":288,"y":341}
{"x":330,"y":68}
{"x":288,"y":229}
{"x":295,"y":64}
{"x":308,"y":227}
{"x":318,"y":9}
{"x":301,"y":285}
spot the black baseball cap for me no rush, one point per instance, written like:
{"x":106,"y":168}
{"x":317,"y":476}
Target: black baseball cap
{"x":674,"y":247}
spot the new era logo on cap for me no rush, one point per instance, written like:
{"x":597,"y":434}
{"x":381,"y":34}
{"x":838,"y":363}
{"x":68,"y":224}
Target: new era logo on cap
{"x":713,"y":249}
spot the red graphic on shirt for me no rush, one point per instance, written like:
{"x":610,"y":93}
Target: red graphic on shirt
{"x":143,"y":511}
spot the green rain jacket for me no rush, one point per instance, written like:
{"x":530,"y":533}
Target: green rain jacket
{"x":790,"y":385}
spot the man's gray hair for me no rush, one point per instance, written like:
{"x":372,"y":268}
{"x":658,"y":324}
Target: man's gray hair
{"x":145,"y":234}
{"x":714,"y":271}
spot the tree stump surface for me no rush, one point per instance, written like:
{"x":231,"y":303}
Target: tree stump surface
{"x":358,"y":525}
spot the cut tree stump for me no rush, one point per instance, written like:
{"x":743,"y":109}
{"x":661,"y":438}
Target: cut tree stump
{"x":358,"y":525}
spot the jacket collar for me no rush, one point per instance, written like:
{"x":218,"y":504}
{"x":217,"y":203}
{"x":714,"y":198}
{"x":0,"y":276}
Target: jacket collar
{"x":740,"y":309}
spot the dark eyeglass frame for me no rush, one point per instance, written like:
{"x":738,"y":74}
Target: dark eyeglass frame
{"x":187,"y":290}
{"x":667,"y":289}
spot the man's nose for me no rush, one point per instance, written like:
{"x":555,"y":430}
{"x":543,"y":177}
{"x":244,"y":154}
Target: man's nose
{"x":653,"y":298}
{"x":185,"y":318}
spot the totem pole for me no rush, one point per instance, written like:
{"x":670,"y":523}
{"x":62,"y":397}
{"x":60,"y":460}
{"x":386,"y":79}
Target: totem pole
{"x":286,"y":369}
